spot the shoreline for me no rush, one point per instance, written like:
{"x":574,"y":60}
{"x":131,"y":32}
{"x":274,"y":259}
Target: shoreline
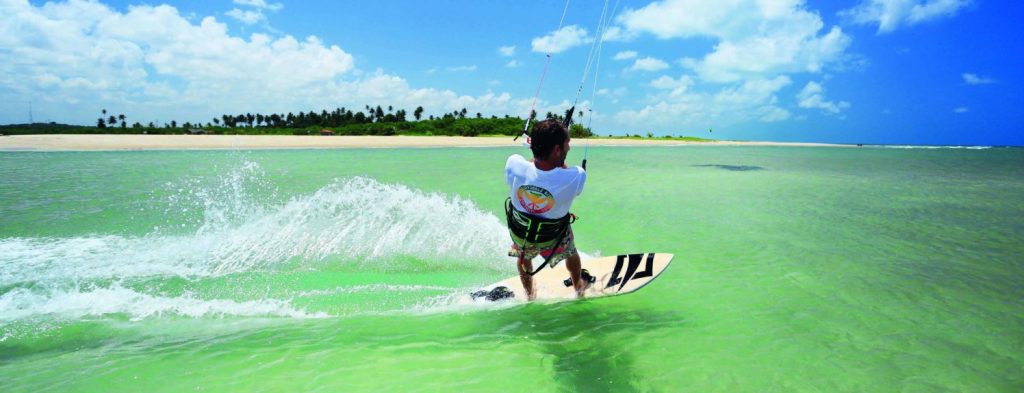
{"x":118,"y":142}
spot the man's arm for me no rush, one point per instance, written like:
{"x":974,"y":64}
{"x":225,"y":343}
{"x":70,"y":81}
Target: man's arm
{"x":509,"y":164}
{"x":582,"y":181}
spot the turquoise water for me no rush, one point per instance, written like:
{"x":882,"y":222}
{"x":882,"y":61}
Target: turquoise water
{"x":797,"y":269}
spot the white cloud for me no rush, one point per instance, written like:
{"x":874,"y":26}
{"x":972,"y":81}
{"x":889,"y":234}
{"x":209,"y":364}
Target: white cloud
{"x":667,"y":82}
{"x":255,"y":15}
{"x":680,"y":18}
{"x":625,"y":55}
{"x":247,"y":17}
{"x":260,"y":4}
{"x":465,"y":68}
{"x":513,"y":64}
{"x":560,"y":40}
{"x":756,"y":38}
{"x":892,"y":14}
{"x":758,"y":44}
{"x":648,"y":64}
{"x":616,"y":33}
{"x":960,"y":109}
{"x":614,"y":94}
{"x":677,"y":87}
{"x":390,"y":89}
{"x":507,"y":51}
{"x":974,"y":79}
{"x":753,"y":100}
{"x":149,"y":62}
{"x":812,"y":97}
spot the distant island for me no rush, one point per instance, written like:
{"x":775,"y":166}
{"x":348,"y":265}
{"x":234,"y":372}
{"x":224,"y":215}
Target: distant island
{"x":374,"y":121}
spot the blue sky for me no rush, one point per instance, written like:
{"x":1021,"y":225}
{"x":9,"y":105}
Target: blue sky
{"x":854,"y":71}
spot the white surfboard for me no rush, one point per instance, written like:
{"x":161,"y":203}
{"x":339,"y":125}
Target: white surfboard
{"x":614,"y":275}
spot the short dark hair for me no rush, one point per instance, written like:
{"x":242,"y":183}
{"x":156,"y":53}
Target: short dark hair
{"x":545,"y":136}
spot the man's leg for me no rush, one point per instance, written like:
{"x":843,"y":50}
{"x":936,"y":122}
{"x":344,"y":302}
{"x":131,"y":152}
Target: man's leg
{"x":574,"y":266}
{"x":525,"y":267}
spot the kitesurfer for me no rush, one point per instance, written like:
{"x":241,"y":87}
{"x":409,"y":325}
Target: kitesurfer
{"x":541,"y":191}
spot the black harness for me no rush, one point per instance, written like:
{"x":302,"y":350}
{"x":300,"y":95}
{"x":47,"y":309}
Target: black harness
{"x":536,"y":229}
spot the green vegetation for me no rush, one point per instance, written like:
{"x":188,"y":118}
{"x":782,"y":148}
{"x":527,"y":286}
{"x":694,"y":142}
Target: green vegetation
{"x":341,"y":121}
{"x":665,"y":137}
{"x":46,"y":128}
{"x":693,"y":139}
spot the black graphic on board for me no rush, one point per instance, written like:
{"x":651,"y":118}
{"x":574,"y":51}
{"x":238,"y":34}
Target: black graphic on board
{"x":631,"y":273}
{"x":615,"y":272}
{"x":648,"y":268}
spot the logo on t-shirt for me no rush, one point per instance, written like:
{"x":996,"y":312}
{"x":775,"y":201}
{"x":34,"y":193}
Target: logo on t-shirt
{"x":534,"y":199}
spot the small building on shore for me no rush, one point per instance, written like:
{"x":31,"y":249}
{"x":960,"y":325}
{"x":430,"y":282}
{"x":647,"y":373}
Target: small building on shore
{"x":326,"y":132}
{"x":196,"y":131}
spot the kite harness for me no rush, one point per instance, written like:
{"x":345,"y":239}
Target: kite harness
{"x":536,"y":231}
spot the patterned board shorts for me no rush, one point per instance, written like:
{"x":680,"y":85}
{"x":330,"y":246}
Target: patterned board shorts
{"x":561,"y":252}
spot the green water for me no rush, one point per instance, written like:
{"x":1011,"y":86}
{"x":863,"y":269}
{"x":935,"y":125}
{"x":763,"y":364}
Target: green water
{"x":796,"y":269}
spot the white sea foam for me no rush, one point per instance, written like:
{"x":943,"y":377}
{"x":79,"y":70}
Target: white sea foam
{"x":50,"y":259}
{"x":240,"y":229}
{"x":362,"y":219}
{"x":21,"y":303}
{"x":352,"y":220}
{"x":372,"y":288}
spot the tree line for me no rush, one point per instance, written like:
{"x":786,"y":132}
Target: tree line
{"x":372,"y":120}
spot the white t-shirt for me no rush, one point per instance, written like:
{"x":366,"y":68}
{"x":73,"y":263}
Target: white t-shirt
{"x":548,"y":194}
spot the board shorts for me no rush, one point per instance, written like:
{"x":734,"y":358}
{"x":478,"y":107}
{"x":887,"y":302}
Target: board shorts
{"x":557,"y":253}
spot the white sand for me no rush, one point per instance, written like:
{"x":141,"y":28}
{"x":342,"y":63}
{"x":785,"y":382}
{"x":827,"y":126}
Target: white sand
{"x":154,"y":142}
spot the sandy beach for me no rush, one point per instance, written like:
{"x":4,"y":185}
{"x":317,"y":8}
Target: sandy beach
{"x":60,"y":142}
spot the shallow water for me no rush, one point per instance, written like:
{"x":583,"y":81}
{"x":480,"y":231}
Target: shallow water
{"x":797,"y":268}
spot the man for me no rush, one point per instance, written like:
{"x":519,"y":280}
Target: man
{"x":541,"y":192}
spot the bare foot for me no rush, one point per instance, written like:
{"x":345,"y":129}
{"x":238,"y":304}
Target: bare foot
{"x":525,"y":266}
{"x":581,"y":291}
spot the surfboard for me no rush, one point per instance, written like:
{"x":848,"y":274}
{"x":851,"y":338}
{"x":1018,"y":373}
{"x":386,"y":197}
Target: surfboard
{"x":613,"y":275}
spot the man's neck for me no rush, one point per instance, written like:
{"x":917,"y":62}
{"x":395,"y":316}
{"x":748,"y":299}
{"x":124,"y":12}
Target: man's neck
{"x":546,"y":165}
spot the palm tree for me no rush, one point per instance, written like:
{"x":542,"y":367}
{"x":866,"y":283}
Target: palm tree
{"x":418,"y":113}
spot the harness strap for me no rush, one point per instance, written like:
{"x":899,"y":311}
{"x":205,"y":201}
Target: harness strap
{"x":533,"y":231}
